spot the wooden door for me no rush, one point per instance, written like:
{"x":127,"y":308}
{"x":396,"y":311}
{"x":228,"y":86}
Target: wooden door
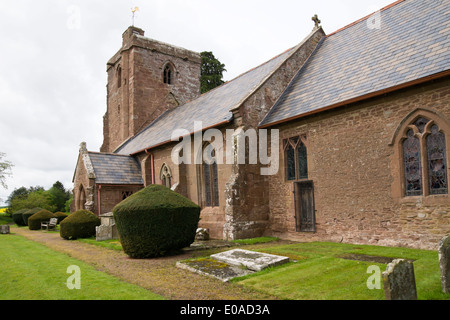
{"x":305,"y":218}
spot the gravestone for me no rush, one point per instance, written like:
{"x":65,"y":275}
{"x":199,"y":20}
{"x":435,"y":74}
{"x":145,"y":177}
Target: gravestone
{"x":399,"y":282}
{"x":107,"y":230}
{"x":4,"y":229}
{"x":202,"y":234}
{"x":444,"y":262}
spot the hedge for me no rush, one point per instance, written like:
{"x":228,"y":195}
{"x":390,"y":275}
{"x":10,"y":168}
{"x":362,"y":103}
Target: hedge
{"x":18,"y":217}
{"x":80,"y":224}
{"x":27,"y":214}
{"x":61,"y":216}
{"x":155,"y":221}
{"x":34,"y":222}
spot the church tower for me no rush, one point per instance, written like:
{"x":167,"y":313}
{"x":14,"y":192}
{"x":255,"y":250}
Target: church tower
{"x":146,"y":78}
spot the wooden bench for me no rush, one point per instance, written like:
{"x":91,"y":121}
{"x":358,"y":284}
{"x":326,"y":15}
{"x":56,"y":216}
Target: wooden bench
{"x":49,"y":224}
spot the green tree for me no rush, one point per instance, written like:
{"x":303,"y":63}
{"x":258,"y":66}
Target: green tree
{"x":38,"y":198}
{"x":59,"y":196}
{"x":211,"y":72}
{"x":5,"y":170}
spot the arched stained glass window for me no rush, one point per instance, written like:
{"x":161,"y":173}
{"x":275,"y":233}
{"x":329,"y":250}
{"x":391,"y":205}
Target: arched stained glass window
{"x":437,"y":169}
{"x":296,"y":158}
{"x":412,"y":165}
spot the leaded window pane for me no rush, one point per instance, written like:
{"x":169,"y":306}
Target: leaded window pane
{"x":207,"y":180}
{"x":413,"y":170}
{"x":420,"y":124}
{"x":302,"y":162}
{"x":215,"y":184}
{"x":437,"y":170}
{"x":290,"y":162}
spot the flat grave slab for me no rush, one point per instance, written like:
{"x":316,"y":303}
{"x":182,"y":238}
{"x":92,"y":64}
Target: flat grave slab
{"x":231,"y":264}
{"x":255,"y":261}
{"x":213,"y":268}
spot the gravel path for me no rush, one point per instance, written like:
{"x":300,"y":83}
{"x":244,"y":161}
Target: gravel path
{"x":159,"y":275}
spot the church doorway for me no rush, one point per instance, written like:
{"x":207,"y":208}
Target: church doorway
{"x":305,"y":218}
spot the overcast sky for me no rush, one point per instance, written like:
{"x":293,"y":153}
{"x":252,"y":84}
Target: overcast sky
{"x":54,"y":53}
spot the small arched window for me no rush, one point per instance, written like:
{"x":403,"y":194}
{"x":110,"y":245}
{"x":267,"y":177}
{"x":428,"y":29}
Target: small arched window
{"x":166,"y":176}
{"x":168,"y":74}
{"x":119,"y":77}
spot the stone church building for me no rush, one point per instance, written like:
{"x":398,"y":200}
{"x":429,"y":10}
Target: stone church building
{"x":362,"y":116}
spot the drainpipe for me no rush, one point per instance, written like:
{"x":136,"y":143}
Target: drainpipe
{"x":98,"y":200}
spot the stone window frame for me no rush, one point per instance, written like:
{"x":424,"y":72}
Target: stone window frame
{"x":81,"y":198}
{"x":166,"y":175}
{"x":119,"y":76}
{"x":301,"y":139}
{"x":168,"y":73}
{"x":398,"y":188}
{"x":213,"y":185}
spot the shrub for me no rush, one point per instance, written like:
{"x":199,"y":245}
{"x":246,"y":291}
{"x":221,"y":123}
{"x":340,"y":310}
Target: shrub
{"x":80,"y":224}
{"x":27,"y":214}
{"x":155,"y":221}
{"x":61,"y":216}
{"x":18,"y":217}
{"x":34,"y":222}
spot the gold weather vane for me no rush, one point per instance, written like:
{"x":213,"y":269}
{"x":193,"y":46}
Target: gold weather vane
{"x":134,"y":10}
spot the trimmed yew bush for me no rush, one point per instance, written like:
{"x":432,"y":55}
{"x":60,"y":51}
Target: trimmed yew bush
{"x":27,"y":214}
{"x":34,"y":222}
{"x":18,"y":217}
{"x":155,"y":221}
{"x":80,"y":224}
{"x":61,"y":216}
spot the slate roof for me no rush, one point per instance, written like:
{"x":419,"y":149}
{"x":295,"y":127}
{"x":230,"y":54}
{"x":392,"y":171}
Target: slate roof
{"x":211,"y":108}
{"x":115,"y":169}
{"x":412,"y":42}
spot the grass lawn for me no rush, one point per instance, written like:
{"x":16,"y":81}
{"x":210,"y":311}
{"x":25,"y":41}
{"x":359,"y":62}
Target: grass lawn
{"x":319,"y":273}
{"x":31,"y":271}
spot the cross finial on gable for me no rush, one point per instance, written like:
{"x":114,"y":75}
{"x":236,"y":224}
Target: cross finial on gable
{"x":316,"y":21}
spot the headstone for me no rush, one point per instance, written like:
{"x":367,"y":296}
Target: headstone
{"x":107,"y":230}
{"x":202,"y":234}
{"x":444,"y":262}
{"x":399,"y":282}
{"x":4,"y":229}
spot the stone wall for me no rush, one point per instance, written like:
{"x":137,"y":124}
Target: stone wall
{"x":355,"y":171}
{"x":110,"y":196}
{"x":83,"y":183}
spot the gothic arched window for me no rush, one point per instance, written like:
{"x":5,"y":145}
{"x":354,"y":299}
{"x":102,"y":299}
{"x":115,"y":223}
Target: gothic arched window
{"x":168,"y":74}
{"x":119,"y":77}
{"x":296,"y":158}
{"x":424,"y":159}
{"x":166,"y":176}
